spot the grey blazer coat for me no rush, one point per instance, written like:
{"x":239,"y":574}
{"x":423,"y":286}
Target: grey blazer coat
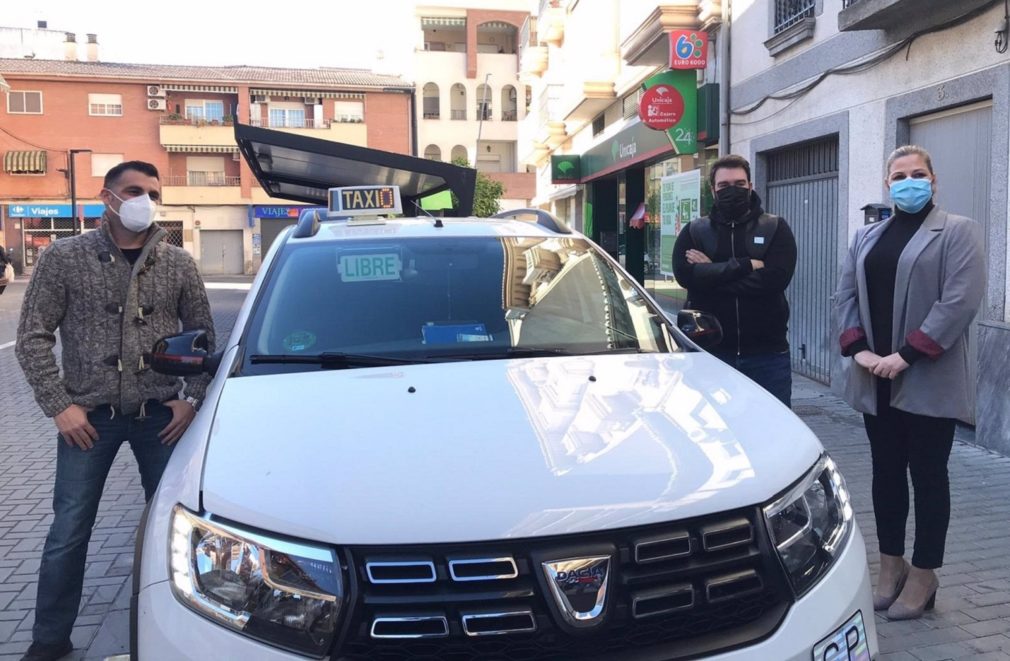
{"x":937,"y":291}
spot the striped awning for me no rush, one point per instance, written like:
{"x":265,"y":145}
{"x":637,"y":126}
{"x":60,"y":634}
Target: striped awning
{"x":307,"y":93}
{"x":443,"y":22}
{"x":206,"y":149}
{"x":218,"y":89}
{"x":25,"y":162}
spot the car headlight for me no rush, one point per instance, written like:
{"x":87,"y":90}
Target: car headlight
{"x":283,"y":593}
{"x":810,"y":524}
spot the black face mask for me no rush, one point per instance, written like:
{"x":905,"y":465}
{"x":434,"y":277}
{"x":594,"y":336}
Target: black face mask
{"x":733,"y":202}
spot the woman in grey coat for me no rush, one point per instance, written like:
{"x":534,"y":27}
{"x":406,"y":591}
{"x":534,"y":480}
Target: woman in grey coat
{"x":909,"y":290}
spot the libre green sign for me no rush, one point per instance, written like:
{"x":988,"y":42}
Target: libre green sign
{"x":684,"y":135}
{"x":565,"y":169}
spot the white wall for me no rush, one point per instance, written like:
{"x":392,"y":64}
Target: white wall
{"x":864,"y":97}
{"x":448,"y":69}
{"x":753,"y":23}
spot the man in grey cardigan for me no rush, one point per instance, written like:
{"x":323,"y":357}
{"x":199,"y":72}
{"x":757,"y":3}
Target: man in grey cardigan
{"x":111,"y":294}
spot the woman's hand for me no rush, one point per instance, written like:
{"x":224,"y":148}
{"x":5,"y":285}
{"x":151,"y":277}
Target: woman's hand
{"x":889,"y":367}
{"x":867,"y":359}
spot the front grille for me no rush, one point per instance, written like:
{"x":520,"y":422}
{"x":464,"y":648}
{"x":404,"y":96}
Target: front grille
{"x":676,"y":590}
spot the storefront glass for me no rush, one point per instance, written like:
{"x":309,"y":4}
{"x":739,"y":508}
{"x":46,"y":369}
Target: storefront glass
{"x":659,"y":278}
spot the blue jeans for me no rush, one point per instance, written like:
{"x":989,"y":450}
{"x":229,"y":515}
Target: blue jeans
{"x":80,"y":479}
{"x":771,"y":371}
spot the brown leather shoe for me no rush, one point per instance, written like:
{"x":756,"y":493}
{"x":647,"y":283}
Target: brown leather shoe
{"x":884,"y":595}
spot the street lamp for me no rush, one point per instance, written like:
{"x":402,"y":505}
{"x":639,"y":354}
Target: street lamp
{"x":78,"y":222}
{"x":480,"y":123}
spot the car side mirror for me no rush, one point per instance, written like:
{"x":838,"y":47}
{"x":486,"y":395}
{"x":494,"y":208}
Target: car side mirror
{"x":185,"y":354}
{"x":702,"y":327}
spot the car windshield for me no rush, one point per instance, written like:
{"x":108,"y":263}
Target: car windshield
{"x":386,"y":301}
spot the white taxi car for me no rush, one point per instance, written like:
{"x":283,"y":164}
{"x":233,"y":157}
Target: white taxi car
{"x":481,"y":439}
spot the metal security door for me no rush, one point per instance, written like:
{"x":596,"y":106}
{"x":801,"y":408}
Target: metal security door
{"x":960,"y":144}
{"x":221,"y":252}
{"x":803,"y":189}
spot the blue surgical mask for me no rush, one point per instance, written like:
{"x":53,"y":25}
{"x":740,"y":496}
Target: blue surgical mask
{"x":911,"y":195}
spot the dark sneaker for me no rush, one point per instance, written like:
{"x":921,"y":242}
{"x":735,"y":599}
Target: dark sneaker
{"x":41,"y":652}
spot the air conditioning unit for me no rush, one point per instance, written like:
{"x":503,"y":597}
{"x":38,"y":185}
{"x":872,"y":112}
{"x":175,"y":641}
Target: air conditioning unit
{"x":156,"y":104}
{"x":236,"y":156}
{"x":311,"y":100}
{"x":155,"y":90}
{"x":259,"y":98}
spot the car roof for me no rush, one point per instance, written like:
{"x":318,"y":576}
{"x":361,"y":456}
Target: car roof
{"x":424,"y":227}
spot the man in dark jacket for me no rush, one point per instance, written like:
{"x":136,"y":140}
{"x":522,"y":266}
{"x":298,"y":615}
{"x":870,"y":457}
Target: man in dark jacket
{"x":111,"y":293}
{"x":736,"y":264}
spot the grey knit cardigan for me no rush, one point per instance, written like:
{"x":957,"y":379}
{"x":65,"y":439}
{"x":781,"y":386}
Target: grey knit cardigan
{"x":109,"y":315}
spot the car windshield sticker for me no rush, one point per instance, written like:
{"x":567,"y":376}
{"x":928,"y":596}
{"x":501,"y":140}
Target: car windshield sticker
{"x":299,"y":341}
{"x":369,"y":267}
{"x":454,"y":333}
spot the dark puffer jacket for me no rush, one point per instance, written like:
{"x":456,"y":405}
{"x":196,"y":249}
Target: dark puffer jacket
{"x":751,"y":305}
{"x":109,"y":315}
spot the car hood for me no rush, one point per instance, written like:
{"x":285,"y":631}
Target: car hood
{"x":484,"y":450}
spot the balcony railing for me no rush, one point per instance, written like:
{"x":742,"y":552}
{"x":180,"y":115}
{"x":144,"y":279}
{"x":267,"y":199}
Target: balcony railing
{"x":483,"y":112}
{"x":200,"y":179}
{"x":293,"y":123}
{"x":790,"y":12}
{"x":508,"y":115}
{"x":431,"y":115}
{"x":173,"y":119}
{"x":457,"y":114}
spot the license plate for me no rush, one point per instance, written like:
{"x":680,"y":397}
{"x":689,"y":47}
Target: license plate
{"x":847,"y":643}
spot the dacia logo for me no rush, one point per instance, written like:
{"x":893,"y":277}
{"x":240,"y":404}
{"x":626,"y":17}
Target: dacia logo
{"x":579,"y":587}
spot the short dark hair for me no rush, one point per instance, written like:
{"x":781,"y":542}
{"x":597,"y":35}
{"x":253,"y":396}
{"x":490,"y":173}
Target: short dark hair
{"x":730,"y":161}
{"x":113,"y":175}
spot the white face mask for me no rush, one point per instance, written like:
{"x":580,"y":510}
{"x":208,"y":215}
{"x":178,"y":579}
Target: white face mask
{"x":137,"y":213}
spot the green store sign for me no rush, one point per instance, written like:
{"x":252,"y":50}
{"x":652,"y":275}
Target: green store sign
{"x":565,"y":169}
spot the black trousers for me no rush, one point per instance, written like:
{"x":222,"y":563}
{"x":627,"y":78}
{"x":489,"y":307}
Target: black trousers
{"x":900,"y":443}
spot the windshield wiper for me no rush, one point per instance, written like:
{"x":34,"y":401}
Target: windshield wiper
{"x":333,"y":359}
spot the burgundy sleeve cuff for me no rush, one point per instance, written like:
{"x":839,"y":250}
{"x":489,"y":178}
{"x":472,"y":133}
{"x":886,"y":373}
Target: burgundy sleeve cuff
{"x":849,"y":338}
{"x":924,"y":343}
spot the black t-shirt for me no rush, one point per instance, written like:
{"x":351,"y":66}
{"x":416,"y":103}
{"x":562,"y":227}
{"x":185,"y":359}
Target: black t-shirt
{"x":132,"y":254}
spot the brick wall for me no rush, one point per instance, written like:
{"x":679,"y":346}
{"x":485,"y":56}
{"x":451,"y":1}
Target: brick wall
{"x":65,"y":124}
{"x":387,"y":118}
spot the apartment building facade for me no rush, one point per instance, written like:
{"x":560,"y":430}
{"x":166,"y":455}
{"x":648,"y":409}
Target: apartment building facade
{"x":586,"y":64}
{"x":470,"y":98}
{"x":820,"y":102}
{"x":82,"y":117}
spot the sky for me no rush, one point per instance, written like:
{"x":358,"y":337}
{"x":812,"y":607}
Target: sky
{"x":308,"y":33}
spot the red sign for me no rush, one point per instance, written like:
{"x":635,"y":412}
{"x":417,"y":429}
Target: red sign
{"x":661,"y":107}
{"x":688,"y":49}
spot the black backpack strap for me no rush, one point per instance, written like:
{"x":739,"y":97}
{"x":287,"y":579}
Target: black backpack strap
{"x":764,"y":231}
{"x":703,"y":235}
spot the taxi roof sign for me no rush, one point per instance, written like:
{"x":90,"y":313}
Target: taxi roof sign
{"x":365,"y":201}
